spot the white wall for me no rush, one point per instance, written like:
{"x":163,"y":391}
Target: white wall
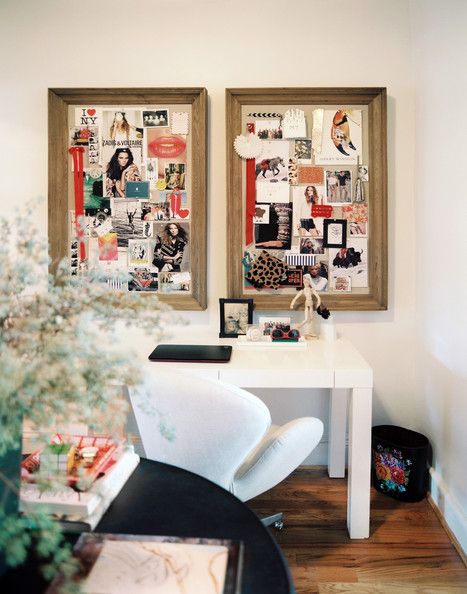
{"x":219,"y":44}
{"x":440,"y":56}
{"x":224,"y":44}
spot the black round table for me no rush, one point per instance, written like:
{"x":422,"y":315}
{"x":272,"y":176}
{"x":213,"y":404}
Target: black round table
{"x":164,"y":500}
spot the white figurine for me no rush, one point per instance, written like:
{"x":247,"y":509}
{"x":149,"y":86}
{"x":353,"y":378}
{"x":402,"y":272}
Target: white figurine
{"x":309,"y":293}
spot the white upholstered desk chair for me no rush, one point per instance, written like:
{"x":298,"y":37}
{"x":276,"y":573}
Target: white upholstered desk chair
{"x":221,"y":432}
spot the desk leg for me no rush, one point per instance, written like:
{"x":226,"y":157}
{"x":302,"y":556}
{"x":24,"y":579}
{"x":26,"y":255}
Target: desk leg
{"x":358,"y":489}
{"x":337,"y":427}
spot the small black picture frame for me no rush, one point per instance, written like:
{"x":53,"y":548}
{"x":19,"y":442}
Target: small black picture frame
{"x":335,"y":233}
{"x":235,"y":315}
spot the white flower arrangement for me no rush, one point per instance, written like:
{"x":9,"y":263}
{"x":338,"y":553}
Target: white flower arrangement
{"x":54,"y":365}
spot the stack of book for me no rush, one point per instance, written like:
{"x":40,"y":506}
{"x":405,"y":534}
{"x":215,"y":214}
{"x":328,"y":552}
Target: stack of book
{"x":81,"y":511}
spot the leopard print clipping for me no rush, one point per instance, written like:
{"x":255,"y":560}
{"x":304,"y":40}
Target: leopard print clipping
{"x":266,"y":271}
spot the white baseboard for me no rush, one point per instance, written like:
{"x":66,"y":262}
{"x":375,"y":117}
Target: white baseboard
{"x":449,"y":509}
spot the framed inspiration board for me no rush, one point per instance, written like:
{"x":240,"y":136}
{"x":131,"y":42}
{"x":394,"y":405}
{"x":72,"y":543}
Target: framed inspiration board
{"x":127,"y":188}
{"x":307,"y":176}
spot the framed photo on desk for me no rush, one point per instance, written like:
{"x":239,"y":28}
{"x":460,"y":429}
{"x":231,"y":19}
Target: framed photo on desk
{"x":235,"y":315}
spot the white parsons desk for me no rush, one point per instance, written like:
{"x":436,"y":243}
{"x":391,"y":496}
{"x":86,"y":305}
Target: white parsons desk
{"x":335,"y":365}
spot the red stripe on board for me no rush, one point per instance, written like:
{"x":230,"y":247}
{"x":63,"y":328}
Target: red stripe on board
{"x":77,"y":154}
{"x":250,"y":199}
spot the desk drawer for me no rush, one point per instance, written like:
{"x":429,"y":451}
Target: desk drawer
{"x":205,"y":370}
{"x":210,"y":374}
{"x":268,"y":378}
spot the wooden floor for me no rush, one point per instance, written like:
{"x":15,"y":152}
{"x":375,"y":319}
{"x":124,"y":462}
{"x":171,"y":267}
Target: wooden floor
{"x":408,"y":550}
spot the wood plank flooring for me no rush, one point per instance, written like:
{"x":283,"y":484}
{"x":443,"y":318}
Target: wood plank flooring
{"x":408,"y":551}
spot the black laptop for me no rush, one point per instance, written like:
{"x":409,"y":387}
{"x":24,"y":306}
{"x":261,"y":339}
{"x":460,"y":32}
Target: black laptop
{"x":192,"y":353}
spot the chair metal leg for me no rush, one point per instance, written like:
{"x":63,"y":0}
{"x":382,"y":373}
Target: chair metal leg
{"x":276,"y":520}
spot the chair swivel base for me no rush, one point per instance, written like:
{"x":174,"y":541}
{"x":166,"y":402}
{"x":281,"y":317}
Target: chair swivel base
{"x":276,"y":520}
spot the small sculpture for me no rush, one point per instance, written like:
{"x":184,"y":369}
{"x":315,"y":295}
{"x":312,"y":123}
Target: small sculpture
{"x":310,"y":295}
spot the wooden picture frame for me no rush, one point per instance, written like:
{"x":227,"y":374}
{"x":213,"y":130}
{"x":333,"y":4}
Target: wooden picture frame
{"x":373,"y":102}
{"x":59,"y":100}
{"x":247,"y":309}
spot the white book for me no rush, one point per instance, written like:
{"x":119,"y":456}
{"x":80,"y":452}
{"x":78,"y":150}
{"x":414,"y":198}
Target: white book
{"x":63,"y":501}
{"x":243,"y":343}
{"x":108,"y":487}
